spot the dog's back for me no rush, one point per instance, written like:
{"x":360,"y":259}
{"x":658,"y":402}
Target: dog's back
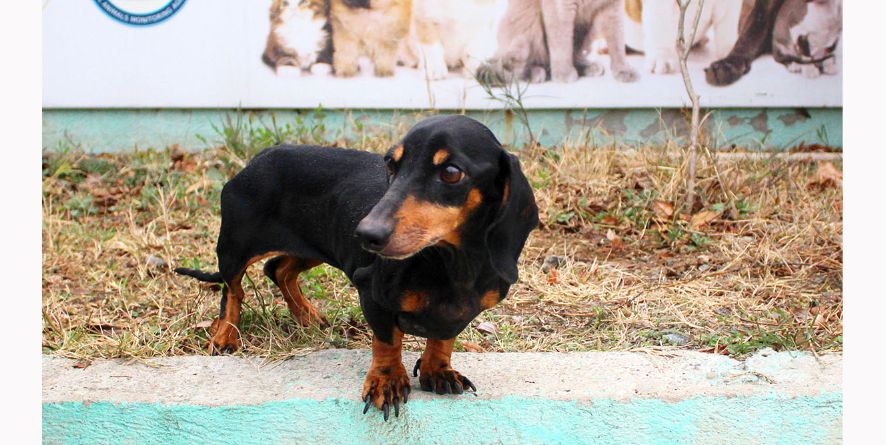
{"x":313,"y":196}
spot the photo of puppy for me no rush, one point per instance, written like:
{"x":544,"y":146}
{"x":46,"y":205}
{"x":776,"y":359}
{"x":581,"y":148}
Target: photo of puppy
{"x":300,"y":35}
{"x":537,"y":37}
{"x":801,"y":34}
{"x":375,"y":29}
{"x":496,"y":42}
{"x":454,"y":34}
{"x":651,"y":27}
{"x":806,"y":34}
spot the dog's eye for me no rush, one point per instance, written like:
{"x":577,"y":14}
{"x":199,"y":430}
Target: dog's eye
{"x":391,"y":165}
{"x":451,"y":174}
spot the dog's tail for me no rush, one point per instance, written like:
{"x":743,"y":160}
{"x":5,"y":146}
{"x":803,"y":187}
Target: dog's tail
{"x":214,"y":277}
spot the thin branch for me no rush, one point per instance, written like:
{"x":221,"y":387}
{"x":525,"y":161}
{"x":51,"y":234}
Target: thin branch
{"x":683,"y":50}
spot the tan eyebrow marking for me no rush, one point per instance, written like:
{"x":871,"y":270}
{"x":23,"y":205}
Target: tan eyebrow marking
{"x":440,"y":156}
{"x":398,"y":153}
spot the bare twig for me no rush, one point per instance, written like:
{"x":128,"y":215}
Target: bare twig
{"x":683,"y":50}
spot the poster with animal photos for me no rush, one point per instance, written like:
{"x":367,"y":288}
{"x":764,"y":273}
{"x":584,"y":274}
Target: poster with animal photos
{"x":454,"y":54}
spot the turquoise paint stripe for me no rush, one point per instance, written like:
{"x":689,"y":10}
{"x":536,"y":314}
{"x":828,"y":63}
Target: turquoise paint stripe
{"x":772,"y":419}
{"x":112,"y":130}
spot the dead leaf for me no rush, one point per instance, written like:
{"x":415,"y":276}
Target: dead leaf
{"x":826,"y":175}
{"x":487,"y":328}
{"x":472,"y":347}
{"x":553,"y":276}
{"x":614,"y":240}
{"x":662,"y":209}
{"x":103,"y":198}
{"x":93,"y":181}
{"x":82,"y":364}
{"x":176,"y":153}
{"x":643,"y":182}
{"x":103,"y":195}
{"x":701,"y":218}
{"x":188,"y":165}
{"x":812,"y":148}
{"x":203,"y":324}
{"x":609,"y":220}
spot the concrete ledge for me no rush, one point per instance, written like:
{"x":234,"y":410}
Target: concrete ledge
{"x":630,"y":398}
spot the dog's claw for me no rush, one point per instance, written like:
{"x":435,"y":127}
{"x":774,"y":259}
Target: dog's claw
{"x":467,"y":383}
{"x":396,"y":407}
{"x":368,"y":403}
{"x":456,"y":387}
{"x":386,"y":410}
{"x":415,"y":369}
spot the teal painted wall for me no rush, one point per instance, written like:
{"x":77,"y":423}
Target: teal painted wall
{"x":457,"y":420}
{"x":111,"y":130}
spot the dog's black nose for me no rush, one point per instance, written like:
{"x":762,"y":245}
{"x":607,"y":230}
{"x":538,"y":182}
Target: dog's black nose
{"x":374,"y":235}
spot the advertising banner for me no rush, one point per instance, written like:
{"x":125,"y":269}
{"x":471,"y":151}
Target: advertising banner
{"x":454,"y":54}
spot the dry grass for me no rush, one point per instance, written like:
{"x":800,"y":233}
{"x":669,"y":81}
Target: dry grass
{"x":759,"y":265}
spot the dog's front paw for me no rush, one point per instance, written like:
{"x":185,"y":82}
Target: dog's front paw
{"x":810,"y":71}
{"x":592,"y":69}
{"x":537,"y":74}
{"x":225,"y":337}
{"x":661,"y":61}
{"x":321,"y":69}
{"x":625,"y":74}
{"x":436,"y":70}
{"x":346,"y":70}
{"x":829,"y":67}
{"x":385,"y":387}
{"x":564,"y":74}
{"x":726,"y":71}
{"x":441,"y":379}
{"x":434,"y":62}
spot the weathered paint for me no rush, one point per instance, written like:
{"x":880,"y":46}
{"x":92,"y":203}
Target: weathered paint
{"x":774,"y":419}
{"x":126,"y":129}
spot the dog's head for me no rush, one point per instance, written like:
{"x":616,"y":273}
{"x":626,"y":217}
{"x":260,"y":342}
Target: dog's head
{"x":817,"y":34}
{"x":299,"y":33}
{"x":451,"y":183}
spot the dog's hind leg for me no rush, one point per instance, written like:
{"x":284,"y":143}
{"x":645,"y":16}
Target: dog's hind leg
{"x":225,"y":329}
{"x":284,"y":271}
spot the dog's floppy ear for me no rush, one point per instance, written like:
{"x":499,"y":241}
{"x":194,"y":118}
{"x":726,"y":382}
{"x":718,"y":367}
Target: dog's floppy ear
{"x":516,"y":217}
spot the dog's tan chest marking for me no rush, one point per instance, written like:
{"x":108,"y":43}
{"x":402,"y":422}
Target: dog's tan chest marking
{"x":490,"y":299}
{"x":398,"y":153}
{"x":414,"y":301}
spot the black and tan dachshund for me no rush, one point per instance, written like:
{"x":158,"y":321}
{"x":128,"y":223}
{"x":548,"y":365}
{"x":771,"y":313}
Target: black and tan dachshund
{"x":429,"y":234}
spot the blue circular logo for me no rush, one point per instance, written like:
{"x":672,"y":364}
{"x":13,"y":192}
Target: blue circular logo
{"x":140,"y":12}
